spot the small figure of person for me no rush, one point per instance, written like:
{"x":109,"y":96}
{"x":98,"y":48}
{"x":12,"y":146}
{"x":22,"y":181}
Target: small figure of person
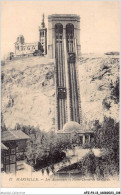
{"x":47,"y":169}
{"x":53,"y":169}
{"x":42,"y":171}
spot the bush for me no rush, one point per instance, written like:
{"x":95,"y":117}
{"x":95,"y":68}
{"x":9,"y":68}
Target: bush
{"x":88,"y":164}
{"x":43,"y":148}
{"x":106,"y":104}
{"x":106,"y":135}
{"x":115,"y":91}
{"x":49,"y":160}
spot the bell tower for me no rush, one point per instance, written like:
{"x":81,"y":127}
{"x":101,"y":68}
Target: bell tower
{"x":43,"y":35}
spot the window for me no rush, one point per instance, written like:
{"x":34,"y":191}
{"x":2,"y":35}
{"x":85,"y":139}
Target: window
{"x":61,"y":93}
{"x":7,"y":168}
{"x":86,"y":138}
{"x":20,"y":39}
{"x":21,"y":146}
{"x":81,"y":139}
{"x":12,"y":159}
{"x":13,"y":150}
{"x":7,"y":160}
{"x":1,"y":165}
{"x":17,"y":149}
{"x":8,"y":152}
{"x":12,"y":168}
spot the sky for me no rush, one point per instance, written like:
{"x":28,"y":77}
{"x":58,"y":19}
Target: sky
{"x":100,"y":22}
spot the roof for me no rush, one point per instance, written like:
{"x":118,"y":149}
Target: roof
{"x":13,"y":135}
{"x":27,"y":44}
{"x":21,"y":35}
{"x":89,"y":132}
{"x":3,"y":147}
{"x":71,"y":126}
{"x":64,"y":16}
{"x":72,"y":17}
{"x":75,"y":131}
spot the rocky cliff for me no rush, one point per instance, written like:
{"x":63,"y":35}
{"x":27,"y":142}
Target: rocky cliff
{"x":28,"y":90}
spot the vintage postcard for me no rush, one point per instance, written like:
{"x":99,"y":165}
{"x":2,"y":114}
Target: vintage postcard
{"x":60,"y":94}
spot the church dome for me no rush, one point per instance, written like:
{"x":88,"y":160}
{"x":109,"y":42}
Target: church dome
{"x":71,"y":126}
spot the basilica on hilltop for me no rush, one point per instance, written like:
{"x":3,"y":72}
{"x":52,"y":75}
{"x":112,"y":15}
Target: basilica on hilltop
{"x":22,"y":48}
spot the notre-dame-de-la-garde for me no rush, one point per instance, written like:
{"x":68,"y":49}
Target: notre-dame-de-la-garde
{"x":22,"y":48}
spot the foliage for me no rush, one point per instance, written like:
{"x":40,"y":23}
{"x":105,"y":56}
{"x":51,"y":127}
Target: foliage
{"x":2,"y":77}
{"x":37,"y":145}
{"x":43,"y":148}
{"x":49,"y":75}
{"x":3,"y":126}
{"x":106,"y":135}
{"x":106,"y":104}
{"x":2,"y":62}
{"x":115,"y":91}
{"x":88,"y":164}
{"x":45,"y":161}
{"x":47,"y":148}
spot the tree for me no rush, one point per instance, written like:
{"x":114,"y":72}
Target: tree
{"x":107,"y":137}
{"x":115,"y":91}
{"x":106,"y":104}
{"x":88,"y":164}
{"x":3,"y":126}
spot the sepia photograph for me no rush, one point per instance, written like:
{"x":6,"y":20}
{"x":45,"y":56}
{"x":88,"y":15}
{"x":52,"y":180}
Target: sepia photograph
{"x":60,"y":94}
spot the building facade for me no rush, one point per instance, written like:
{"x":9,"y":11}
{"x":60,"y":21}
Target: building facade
{"x":13,"y":150}
{"x":22,"y":48}
{"x":64,"y":20}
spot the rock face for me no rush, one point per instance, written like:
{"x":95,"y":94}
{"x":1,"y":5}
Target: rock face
{"x":28,"y":90}
{"x":28,"y":93}
{"x":96,"y":73}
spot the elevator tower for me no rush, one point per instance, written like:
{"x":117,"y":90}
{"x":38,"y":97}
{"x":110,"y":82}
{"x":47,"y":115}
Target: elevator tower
{"x":64,"y":46}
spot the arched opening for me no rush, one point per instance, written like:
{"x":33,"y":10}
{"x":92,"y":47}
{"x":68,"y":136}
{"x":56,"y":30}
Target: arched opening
{"x":58,"y":31}
{"x":69,"y":36}
{"x":70,"y":30}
